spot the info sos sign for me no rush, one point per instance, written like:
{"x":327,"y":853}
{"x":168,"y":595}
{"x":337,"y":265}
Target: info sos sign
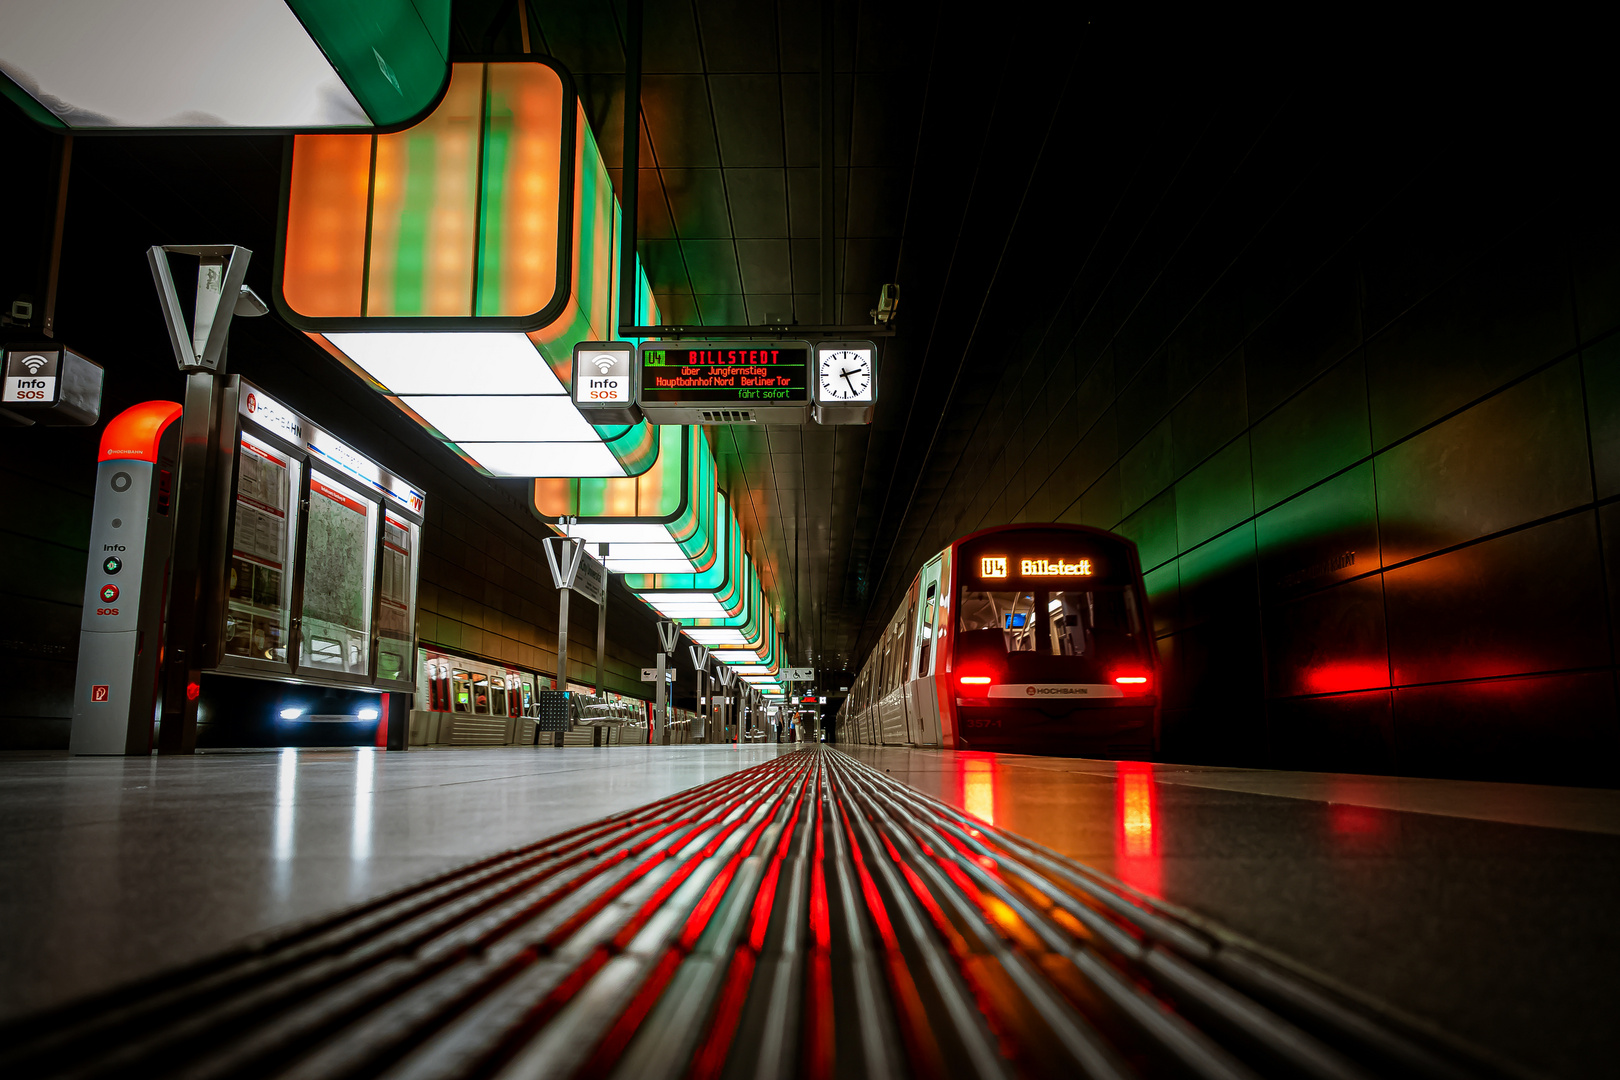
{"x":604,"y":388}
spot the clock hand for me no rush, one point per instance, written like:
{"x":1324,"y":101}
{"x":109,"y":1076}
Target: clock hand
{"x":845,"y":374}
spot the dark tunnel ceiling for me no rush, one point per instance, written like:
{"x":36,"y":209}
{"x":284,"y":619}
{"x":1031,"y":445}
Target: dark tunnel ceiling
{"x":930,"y":166}
{"x":1022,"y":206}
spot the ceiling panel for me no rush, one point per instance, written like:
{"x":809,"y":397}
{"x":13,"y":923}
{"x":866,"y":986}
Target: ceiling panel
{"x":748,"y":117}
{"x":669,"y":40}
{"x":738,"y":35}
{"x":722,"y":309}
{"x":758,"y":199}
{"x":666,"y":265}
{"x":769,"y":308}
{"x":676,"y":110}
{"x":765,"y":266}
{"x":697,"y":202}
{"x":712,"y":265}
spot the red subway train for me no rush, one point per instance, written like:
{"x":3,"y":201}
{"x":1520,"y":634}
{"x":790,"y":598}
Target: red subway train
{"x":1032,"y":639}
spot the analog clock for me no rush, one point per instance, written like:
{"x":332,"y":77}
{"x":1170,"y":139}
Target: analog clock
{"x":845,"y":386}
{"x":846,"y":375}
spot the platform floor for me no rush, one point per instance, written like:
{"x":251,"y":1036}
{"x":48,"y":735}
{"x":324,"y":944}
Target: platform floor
{"x":116,"y":868}
{"x":1486,"y":910}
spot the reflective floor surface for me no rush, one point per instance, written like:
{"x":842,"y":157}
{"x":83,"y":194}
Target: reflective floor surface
{"x":1485,"y":909}
{"x":115,"y":868}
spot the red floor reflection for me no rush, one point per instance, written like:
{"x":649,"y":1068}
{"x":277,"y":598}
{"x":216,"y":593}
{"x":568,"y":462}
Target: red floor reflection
{"x":1136,"y":832}
{"x":979,"y":786}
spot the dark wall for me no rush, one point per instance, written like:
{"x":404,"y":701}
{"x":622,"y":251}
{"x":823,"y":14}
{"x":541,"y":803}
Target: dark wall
{"x":482,"y":591}
{"x":1351,"y":381}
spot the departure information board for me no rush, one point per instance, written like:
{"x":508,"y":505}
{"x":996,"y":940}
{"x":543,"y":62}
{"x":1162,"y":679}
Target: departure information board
{"x":768,"y":380}
{"x":702,"y":372}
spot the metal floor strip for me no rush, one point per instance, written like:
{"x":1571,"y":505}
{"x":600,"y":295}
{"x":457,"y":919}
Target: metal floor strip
{"x":808,"y":917}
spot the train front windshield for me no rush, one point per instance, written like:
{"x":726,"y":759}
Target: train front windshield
{"x":1051,"y":635}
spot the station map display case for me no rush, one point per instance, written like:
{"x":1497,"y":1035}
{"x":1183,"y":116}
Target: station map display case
{"x":321,"y":556}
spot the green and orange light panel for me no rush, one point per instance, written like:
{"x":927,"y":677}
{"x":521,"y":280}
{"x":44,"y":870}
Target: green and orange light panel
{"x":454,"y":264}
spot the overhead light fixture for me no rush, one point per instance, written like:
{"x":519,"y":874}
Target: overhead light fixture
{"x":457,"y":362}
{"x":277,"y":64}
{"x":492,"y":418}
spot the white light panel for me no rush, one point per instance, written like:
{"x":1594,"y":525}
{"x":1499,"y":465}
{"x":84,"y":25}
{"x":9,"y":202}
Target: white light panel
{"x":531,"y":418}
{"x":178,"y":63}
{"x":711,"y":610}
{"x":620,"y":533}
{"x":458,"y":364}
{"x":649,"y":566}
{"x":528,"y":459}
{"x":717,"y":637}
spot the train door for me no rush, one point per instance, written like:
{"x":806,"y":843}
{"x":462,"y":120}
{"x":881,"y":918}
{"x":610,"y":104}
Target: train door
{"x":892,"y":711}
{"x":430,"y":680}
{"x":922,"y":703}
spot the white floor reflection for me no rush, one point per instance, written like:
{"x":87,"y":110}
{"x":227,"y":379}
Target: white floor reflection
{"x":365,"y":764}
{"x":283,"y":845}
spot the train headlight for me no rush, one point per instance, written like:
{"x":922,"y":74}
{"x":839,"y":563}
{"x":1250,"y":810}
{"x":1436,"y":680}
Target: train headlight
{"x":291,"y":714}
{"x":368,"y":714}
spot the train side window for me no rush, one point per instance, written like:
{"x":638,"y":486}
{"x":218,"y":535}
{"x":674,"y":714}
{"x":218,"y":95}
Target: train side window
{"x":461,"y":691}
{"x":925,"y":634}
{"x":480,"y":693}
{"x":497,"y":695}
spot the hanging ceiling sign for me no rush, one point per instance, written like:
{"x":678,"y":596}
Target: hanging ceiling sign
{"x":725,"y":382}
{"x":89,"y":65}
{"x":844,"y":386}
{"x":604,"y":382}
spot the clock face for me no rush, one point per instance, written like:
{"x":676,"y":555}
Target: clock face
{"x":846,"y":374}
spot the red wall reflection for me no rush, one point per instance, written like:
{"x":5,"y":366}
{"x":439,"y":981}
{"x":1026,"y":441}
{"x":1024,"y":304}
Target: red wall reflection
{"x":1136,"y":826}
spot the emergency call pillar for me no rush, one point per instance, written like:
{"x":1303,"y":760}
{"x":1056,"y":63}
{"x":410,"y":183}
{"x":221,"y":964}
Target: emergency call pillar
{"x":131,"y":533}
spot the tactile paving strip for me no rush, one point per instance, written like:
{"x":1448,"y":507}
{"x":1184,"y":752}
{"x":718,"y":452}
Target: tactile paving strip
{"x":808,"y":917}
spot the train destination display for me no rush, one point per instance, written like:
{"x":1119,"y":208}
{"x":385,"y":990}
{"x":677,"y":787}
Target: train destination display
{"x":705,"y":382}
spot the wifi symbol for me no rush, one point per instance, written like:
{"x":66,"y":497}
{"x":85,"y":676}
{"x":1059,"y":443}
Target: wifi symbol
{"x":34,"y":363}
{"x":604,"y":364}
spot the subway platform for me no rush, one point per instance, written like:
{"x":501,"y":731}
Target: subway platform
{"x":710,"y":911}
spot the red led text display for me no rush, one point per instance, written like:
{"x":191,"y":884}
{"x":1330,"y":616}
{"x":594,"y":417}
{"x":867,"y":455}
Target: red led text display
{"x":703,"y":374}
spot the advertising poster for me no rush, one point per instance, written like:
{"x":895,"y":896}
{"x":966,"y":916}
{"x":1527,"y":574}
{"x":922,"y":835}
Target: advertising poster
{"x":337,"y":581}
{"x":257,"y":600}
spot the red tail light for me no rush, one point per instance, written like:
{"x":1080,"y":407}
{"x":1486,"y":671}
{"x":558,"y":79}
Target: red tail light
{"x":1134,"y":683}
{"x":974,"y":682}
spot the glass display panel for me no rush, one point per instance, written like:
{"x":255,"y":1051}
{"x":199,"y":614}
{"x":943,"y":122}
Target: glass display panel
{"x":259,"y":579}
{"x":396,"y":613}
{"x":339,"y":554}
